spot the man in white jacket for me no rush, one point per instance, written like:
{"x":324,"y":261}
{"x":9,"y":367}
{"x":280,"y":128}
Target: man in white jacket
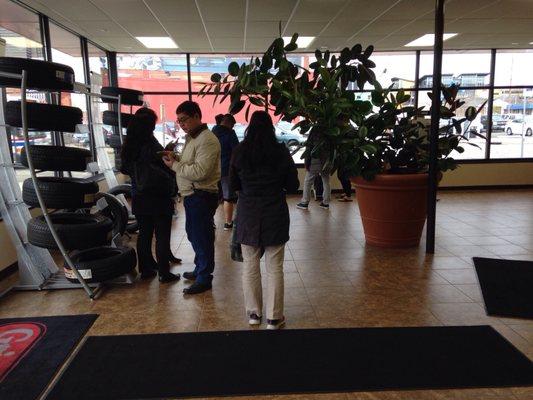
{"x":197,"y":174}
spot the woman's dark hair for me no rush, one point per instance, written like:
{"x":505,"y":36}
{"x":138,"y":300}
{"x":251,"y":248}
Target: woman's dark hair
{"x":218,"y":118}
{"x":140,"y":131}
{"x":259,"y":141}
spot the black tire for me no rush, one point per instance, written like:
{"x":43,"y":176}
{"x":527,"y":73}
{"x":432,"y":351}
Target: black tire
{"x":41,"y":74}
{"x":45,"y":117}
{"x":128,"y":97}
{"x":101,"y":264}
{"x":114,"y":141}
{"x":61,"y":193}
{"x":57,"y":158}
{"x":529,"y":132}
{"x":133,"y":225}
{"x":509,"y":131}
{"x":112,"y":208}
{"x":77,"y":231}
{"x":111,"y":118}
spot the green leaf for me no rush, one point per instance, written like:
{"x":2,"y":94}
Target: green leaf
{"x":237,"y":107}
{"x":233,"y":68}
{"x":377,"y":98}
{"x":247,"y":113}
{"x":294,"y":37}
{"x":363,"y":131}
{"x":216,"y":77}
{"x":256,"y":101}
{"x":356,"y":50}
{"x":291,"y":47}
{"x":368,"y":51}
{"x":471,"y":113}
{"x":369,"y":148}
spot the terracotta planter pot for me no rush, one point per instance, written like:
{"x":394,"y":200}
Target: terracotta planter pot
{"x":393,"y":209}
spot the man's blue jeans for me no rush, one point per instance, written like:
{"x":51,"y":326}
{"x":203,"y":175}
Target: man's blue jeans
{"x":200,"y":209}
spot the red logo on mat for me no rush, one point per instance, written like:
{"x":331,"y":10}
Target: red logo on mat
{"x":16,"y":340}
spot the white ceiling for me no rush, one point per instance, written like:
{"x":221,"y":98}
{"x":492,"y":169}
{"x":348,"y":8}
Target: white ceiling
{"x":250,"y":25}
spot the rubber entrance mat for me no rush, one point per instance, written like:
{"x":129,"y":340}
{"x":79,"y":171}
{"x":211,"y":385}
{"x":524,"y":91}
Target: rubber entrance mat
{"x":291,"y":361}
{"x":33,"y":349}
{"x":507,"y":286}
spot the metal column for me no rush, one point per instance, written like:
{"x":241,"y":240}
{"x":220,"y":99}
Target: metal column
{"x":434,"y":131}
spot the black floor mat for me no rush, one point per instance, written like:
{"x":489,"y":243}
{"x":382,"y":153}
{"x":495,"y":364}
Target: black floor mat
{"x":507,"y":286}
{"x":291,"y":361}
{"x":33,"y":349}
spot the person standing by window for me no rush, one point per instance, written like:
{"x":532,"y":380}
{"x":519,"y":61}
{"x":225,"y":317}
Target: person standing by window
{"x":315,"y":168}
{"x":153,"y":187}
{"x":197,"y":173}
{"x":262,"y":172}
{"x":228,"y":141}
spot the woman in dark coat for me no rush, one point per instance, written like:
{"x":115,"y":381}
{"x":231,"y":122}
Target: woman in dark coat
{"x":262,"y":172}
{"x":152,"y":191}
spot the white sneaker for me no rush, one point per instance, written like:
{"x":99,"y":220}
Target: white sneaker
{"x":254,"y":319}
{"x":274,"y":324}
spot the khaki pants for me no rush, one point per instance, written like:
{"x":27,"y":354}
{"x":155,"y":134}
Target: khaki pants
{"x":251,"y":280}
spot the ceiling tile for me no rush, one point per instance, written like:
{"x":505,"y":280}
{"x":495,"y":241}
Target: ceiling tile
{"x":226,"y":10}
{"x":125,"y":10}
{"x":102,"y":28}
{"x":148,"y":28}
{"x":225,"y":29}
{"x":317,"y":10}
{"x":304,"y":28}
{"x":186,"y":29}
{"x":171,"y":10}
{"x":262,"y":29}
{"x":271,"y":10}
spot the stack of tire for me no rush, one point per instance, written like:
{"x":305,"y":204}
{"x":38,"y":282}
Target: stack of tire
{"x":128,"y":97}
{"x":86,"y":236}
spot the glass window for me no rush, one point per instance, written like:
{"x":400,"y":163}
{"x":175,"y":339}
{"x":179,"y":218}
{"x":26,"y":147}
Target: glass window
{"x":98,"y":63}
{"x":468,"y":69}
{"x":396,"y":69}
{"x":512,"y":124}
{"x":153,"y":72}
{"x":284,"y":133}
{"x":66,"y":49}
{"x":513,"y":68}
{"x":19,"y":29}
{"x":476,"y":148}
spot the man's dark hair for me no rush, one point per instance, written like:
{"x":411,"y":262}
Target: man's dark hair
{"x":190,"y":108}
{"x":218,"y":118}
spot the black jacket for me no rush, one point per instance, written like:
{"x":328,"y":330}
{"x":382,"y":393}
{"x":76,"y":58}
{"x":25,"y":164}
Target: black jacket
{"x":262,"y":212}
{"x":228,"y":141}
{"x":150,"y":203}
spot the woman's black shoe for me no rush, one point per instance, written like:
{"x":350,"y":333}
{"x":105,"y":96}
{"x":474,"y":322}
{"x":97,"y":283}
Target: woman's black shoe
{"x":148,"y":274}
{"x":169,"y":277}
{"x":174,"y":260}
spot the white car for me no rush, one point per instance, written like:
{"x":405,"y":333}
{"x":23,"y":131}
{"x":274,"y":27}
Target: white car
{"x":519,"y":125}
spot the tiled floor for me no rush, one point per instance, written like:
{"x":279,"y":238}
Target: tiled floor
{"x":333,"y":280}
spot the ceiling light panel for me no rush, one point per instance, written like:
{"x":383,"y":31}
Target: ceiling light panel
{"x":157,"y":42}
{"x":428,"y":40}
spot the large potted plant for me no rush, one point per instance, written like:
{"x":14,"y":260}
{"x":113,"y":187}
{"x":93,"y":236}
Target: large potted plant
{"x":383,"y":143}
{"x":391,"y":184}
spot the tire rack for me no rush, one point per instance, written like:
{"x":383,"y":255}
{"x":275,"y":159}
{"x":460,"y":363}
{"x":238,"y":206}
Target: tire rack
{"x":104,"y":165}
{"x":37,"y":269}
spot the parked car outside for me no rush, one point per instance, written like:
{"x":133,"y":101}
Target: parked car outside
{"x":520,"y":125}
